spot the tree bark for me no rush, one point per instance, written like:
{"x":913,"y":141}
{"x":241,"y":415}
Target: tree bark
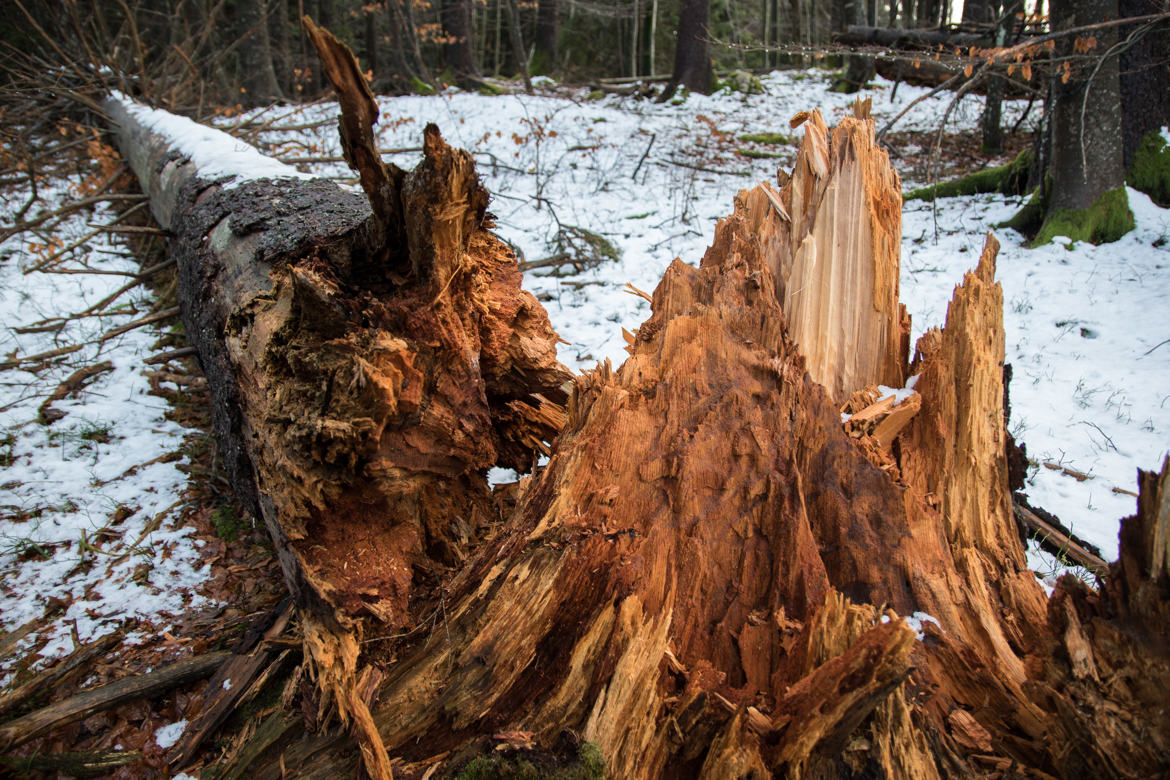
{"x":990,"y":123}
{"x":545,"y":40}
{"x":1086,"y":199}
{"x":1086,"y":147}
{"x":979,"y":11}
{"x":692,"y":63}
{"x":259,"y":77}
{"x":1144,"y":79}
{"x":515,"y":34}
{"x":457,"y":51}
{"x":708,"y":577}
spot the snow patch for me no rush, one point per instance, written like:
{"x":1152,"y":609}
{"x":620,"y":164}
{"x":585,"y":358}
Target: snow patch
{"x":166,"y":736}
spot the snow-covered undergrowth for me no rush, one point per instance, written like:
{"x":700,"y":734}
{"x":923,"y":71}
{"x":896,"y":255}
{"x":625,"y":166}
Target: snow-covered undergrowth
{"x":1084,"y":324}
{"x":86,"y":501}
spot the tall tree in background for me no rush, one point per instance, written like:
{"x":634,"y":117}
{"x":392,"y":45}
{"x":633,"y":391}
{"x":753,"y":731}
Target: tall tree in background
{"x":1085,"y":199}
{"x":979,"y":11}
{"x":410,"y":69}
{"x":259,"y":76}
{"x":278,"y":35}
{"x":544,"y":59}
{"x":692,"y":62}
{"x":457,"y":33}
{"x":1145,"y":93}
{"x":1004,"y":17}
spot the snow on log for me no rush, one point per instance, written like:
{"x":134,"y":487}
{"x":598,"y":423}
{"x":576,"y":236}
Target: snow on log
{"x":711,"y":577}
{"x":365,"y":373}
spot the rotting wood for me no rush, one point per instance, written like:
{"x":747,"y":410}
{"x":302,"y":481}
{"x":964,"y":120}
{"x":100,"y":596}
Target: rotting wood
{"x":707,"y":578}
{"x":19,"y":731}
{"x":231,"y":685}
{"x":78,"y":660}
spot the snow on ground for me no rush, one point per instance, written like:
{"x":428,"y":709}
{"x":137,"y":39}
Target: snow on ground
{"x":1091,"y":386}
{"x":80,"y":525}
{"x":1084,"y":324}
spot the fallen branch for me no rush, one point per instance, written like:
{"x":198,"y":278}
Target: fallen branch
{"x":73,"y":383}
{"x":40,"y":356}
{"x":702,"y":169}
{"x":1057,"y":542}
{"x":75,"y":708}
{"x":165,"y":314}
{"x":239,"y":677}
{"x":169,"y":355}
{"x":81,"y":658}
{"x":68,"y":208}
{"x":73,"y":764}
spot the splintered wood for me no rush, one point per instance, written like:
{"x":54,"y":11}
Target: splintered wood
{"x":831,"y":241}
{"x":712,"y":576}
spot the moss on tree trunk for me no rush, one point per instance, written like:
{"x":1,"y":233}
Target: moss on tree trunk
{"x":1009,"y":179}
{"x":1108,"y":219}
{"x":1150,"y":171}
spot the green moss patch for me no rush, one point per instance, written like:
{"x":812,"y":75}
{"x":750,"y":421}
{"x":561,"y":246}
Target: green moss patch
{"x":1108,"y":219}
{"x":756,"y":154}
{"x":1028,"y":219}
{"x":1150,"y":172}
{"x":770,"y":139}
{"x":420,"y":87}
{"x":1010,"y":179}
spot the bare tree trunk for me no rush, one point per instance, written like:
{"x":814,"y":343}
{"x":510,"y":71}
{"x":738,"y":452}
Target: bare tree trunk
{"x":370,"y":28}
{"x":545,"y":40}
{"x":692,"y":63}
{"x":457,"y":52}
{"x":259,"y":77}
{"x":979,"y":11}
{"x":1145,"y":78}
{"x":282,"y":56}
{"x":516,"y":36}
{"x":1087,"y":199}
{"x":404,"y":44}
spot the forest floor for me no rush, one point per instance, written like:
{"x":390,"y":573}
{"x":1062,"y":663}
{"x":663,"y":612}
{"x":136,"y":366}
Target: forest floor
{"x":114,"y":517}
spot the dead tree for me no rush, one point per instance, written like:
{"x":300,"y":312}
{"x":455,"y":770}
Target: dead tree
{"x":709,"y":576}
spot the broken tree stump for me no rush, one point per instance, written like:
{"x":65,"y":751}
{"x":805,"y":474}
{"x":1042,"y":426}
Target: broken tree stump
{"x":710,"y":577}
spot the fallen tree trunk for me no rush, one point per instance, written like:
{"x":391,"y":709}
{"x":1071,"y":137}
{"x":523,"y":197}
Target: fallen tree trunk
{"x":365,"y":369}
{"x":709,"y":577}
{"x":908,"y":38}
